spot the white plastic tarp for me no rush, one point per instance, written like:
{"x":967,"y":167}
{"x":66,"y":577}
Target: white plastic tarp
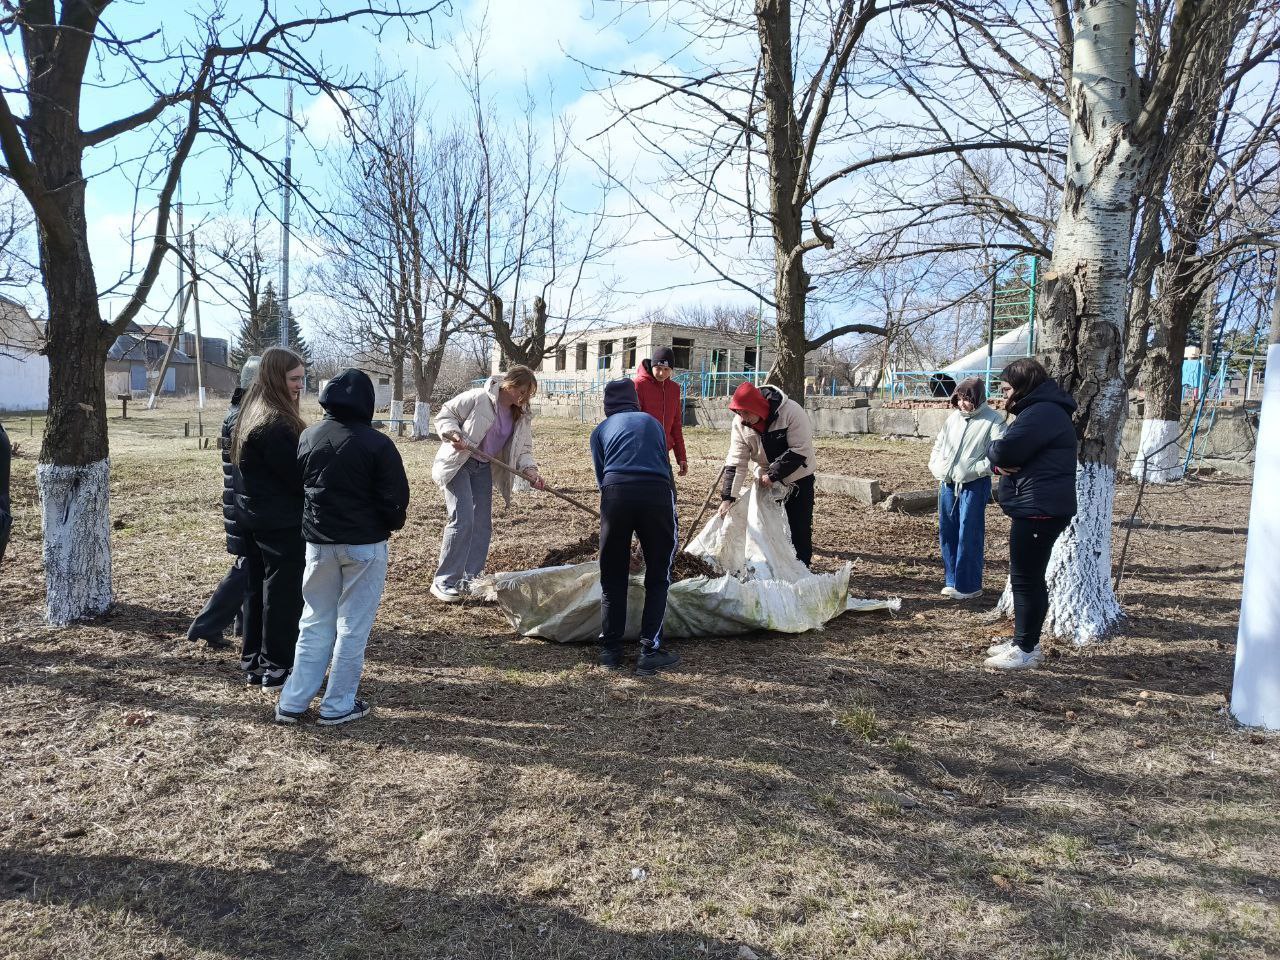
{"x":765,"y":588}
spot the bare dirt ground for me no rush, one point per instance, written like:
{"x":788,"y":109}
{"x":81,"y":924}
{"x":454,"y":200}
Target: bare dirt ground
{"x":868,"y":791}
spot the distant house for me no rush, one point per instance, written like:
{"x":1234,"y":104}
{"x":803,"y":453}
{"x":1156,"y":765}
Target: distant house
{"x":134,"y":361}
{"x":714,"y":359}
{"x":24,"y":370}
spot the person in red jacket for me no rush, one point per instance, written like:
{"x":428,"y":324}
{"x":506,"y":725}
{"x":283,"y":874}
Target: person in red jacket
{"x":660,"y":398}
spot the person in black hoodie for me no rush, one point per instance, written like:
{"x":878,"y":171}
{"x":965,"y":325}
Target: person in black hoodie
{"x":637,"y":496}
{"x":264,"y":450}
{"x":231,"y":597}
{"x":6,"y":510}
{"x":356,"y":496}
{"x":1036,"y":462}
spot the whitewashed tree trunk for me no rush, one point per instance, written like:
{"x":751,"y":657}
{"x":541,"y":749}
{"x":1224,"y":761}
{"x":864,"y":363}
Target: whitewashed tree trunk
{"x":397,"y":416}
{"x":421,"y":420}
{"x":1085,"y":304}
{"x":1004,"y":606}
{"x":1082,"y":603}
{"x":1255,"y":692}
{"x":1159,"y":453}
{"x":77,"y":540}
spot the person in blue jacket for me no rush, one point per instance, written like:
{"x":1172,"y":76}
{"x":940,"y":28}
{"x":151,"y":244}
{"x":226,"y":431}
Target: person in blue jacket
{"x":1036,"y":462}
{"x":637,"y":496}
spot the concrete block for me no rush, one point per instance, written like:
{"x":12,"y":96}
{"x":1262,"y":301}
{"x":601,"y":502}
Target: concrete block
{"x":911,"y":501}
{"x":839,"y":422}
{"x":930,"y":422}
{"x":862,"y":490}
{"x":893,"y":422}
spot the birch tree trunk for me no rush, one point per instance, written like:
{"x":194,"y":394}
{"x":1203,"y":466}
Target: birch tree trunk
{"x":1085,"y":302}
{"x":1190,"y":149}
{"x":1255,"y":691}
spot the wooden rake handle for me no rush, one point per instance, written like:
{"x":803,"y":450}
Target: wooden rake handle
{"x":512,"y":470}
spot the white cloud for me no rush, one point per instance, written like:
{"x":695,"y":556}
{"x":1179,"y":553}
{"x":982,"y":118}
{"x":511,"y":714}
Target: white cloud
{"x":323,"y":118}
{"x":532,"y":39}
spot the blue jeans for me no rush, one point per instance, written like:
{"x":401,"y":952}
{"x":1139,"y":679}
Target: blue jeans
{"x":465,"y":547}
{"x":962,"y":523}
{"x":342,"y":587}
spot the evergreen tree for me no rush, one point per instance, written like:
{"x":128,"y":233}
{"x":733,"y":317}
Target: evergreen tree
{"x":261,"y":329}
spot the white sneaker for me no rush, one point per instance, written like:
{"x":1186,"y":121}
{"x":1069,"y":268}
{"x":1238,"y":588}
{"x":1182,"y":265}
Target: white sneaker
{"x":947,"y":591}
{"x":1015,"y":659}
{"x":999,"y":646}
{"x":446,"y":594}
{"x":955,"y":594}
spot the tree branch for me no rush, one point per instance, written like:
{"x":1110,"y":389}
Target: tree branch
{"x":843,"y":330}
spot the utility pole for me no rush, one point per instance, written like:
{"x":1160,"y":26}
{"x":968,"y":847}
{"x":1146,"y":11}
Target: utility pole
{"x":285,"y":229}
{"x":195,"y":300}
{"x":183,"y":297}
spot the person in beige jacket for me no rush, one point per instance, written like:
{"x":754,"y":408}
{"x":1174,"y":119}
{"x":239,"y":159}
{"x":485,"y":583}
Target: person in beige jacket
{"x":959,"y":463}
{"x":490,"y":421}
{"x":775,"y":432}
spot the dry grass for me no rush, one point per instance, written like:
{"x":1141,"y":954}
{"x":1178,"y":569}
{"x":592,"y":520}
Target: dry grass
{"x":864,"y":792}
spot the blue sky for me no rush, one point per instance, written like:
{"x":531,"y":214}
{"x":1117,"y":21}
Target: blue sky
{"x":526,"y":43}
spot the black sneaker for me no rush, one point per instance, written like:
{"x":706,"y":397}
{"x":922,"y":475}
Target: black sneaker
{"x":362,"y":708}
{"x":610,"y":658}
{"x":289,"y":717}
{"x":655,"y":659}
{"x":273,"y":678}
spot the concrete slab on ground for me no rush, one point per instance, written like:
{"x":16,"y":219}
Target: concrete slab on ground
{"x":911,"y":501}
{"x":861,"y":489}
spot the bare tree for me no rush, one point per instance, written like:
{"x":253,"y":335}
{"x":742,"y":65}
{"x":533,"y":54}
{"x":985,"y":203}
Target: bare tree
{"x":1219,"y":157}
{"x":240,"y":261}
{"x":1117,"y":130}
{"x":536,"y":265}
{"x":397,"y":285}
{"x":207,"y":88}
{"x":775,"y":146}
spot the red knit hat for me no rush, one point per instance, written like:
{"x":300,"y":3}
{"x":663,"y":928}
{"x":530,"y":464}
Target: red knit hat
{"x":747,"y":399}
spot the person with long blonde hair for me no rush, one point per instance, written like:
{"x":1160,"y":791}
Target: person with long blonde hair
{"x":484,"y":423}
{"x":264,"y":448}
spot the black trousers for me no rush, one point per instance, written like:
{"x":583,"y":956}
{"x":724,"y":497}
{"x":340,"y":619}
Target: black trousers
{"x":648,"y":510}
{"x":799,"y":508}
{"x":6,"y":525}
{"x":1030,"y":544}
{"x":276,"y":561}
{"x":227,"y":603}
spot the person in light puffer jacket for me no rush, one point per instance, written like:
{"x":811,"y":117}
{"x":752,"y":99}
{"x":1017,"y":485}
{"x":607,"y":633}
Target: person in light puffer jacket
{"x":775,"y":432}
{"x":959,"y":463}
{"x":494,"y":420}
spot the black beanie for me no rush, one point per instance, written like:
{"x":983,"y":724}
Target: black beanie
{"x":620,"y":397}
{"x":663,"y":355}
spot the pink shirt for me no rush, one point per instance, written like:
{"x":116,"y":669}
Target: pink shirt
{"x":499,"y":431}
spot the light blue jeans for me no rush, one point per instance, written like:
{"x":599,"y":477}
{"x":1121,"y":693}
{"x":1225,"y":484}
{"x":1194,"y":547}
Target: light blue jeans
{"x":962,"y":532}
{"x":341,"y":589}
{"x":465,"y":547}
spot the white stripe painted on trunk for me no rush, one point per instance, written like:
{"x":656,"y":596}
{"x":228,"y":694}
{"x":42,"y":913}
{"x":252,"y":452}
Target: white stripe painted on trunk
{"x":77,"y":540}
{"x":1082,"y":604}
{"x":1159,"y":452}
{"x":1255,"y":692}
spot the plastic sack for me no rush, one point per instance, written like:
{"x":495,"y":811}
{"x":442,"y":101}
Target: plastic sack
{"x":766,"y":587}
{"x":754,"y":541}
